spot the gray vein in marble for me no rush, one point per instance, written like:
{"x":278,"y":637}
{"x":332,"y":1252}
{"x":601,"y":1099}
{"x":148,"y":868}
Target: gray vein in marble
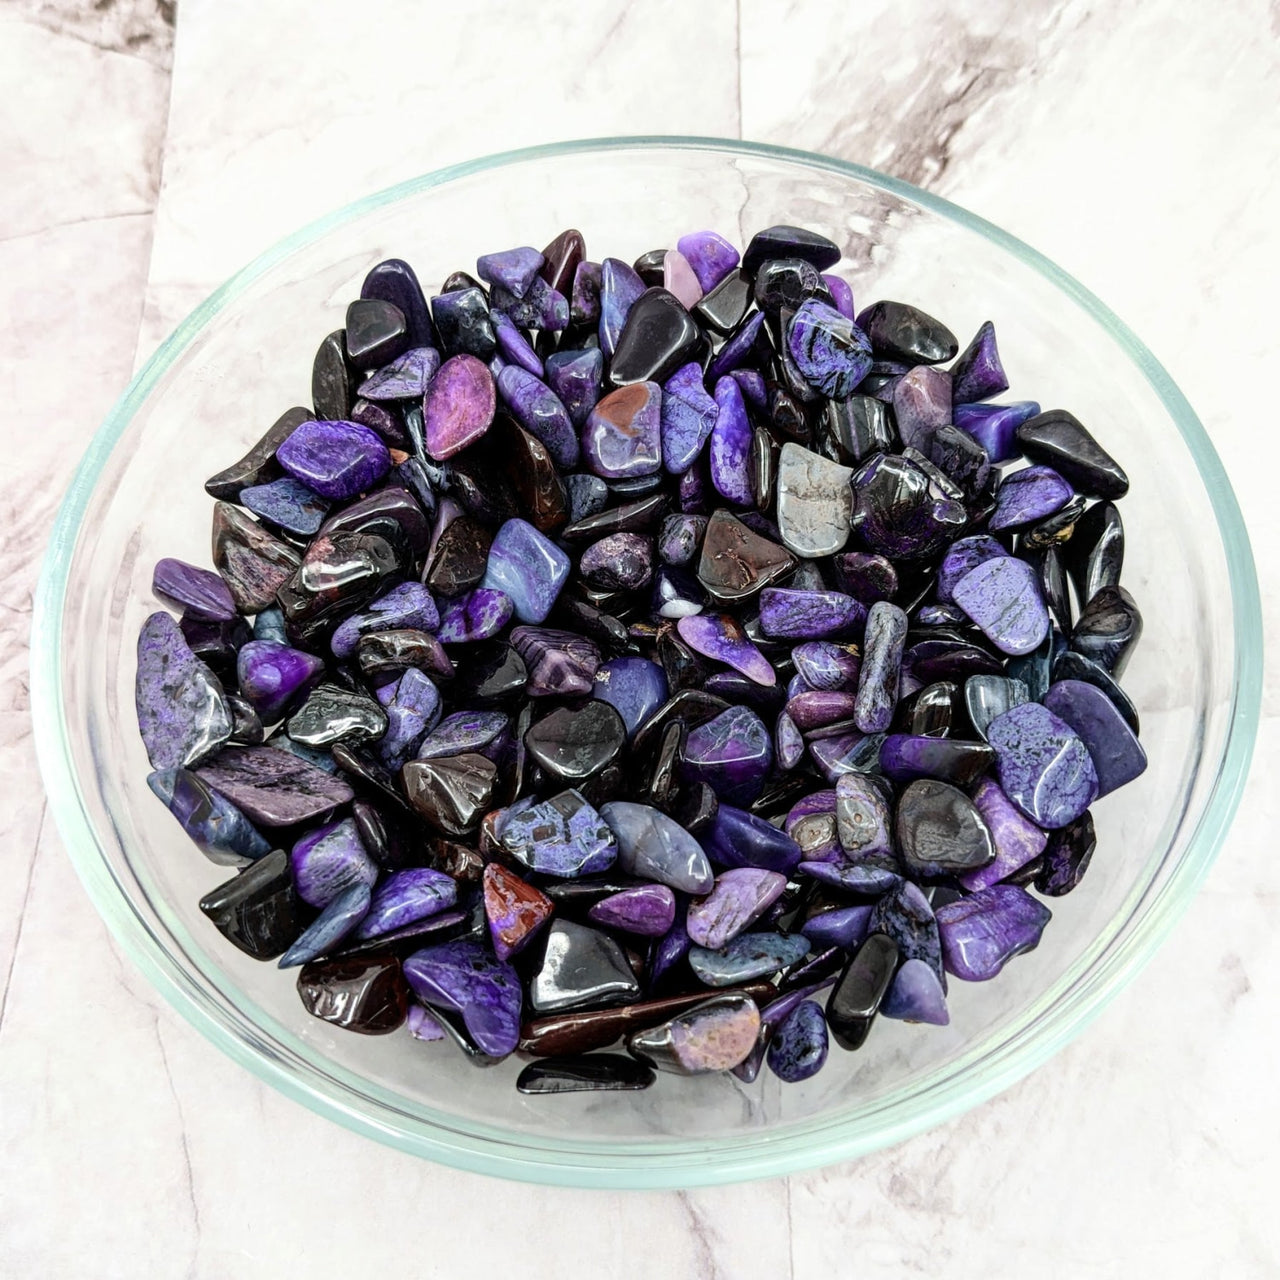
{"x":22,"y":916}
{"x":188,"y":1174}
{"x":135,"y":28}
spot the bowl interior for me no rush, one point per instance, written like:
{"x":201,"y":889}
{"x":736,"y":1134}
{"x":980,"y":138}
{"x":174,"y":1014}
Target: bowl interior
{"x":246,"y":356}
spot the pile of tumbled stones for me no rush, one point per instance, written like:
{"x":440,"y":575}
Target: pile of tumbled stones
{"x":632,"y":653}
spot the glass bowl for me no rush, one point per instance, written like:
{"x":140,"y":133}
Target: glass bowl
{"x":245,"y":355}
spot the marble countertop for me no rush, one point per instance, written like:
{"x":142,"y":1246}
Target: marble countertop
{"x":149,"y":154}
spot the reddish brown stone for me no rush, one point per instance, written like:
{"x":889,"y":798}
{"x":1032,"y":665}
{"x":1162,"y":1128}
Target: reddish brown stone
{"x":515,"y":910}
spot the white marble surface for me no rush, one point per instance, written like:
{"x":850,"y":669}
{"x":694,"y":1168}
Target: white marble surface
{"x":1138,"y":149}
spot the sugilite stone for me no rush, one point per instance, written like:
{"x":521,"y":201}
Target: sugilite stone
{"x":731,"y":753}
{"x":376,"y":332}
{"x":659,"y":336}
{"x":832,"y":354}
{"x":1058,"y":440}
{"x":1069,"y":665}
{"x":462,"y":321}
{"x":905,"y":757}
{"x":461,"y":732}
{"x":330,"y":927}
{"x":258,"y":466}
{"x":995,"y":426}
{"x":619,"y":562}
{"x":840,"y":753}
{"x":409,"y":604}
{"x":478,"y":615}
{"x":333,"y":380}
{"x":573,"y":744}
{"x":273,"y":788}
{"x":584,"y":298}
{"x":856,"y":998}
{"x":1108,"y":629}
{"x":978,"y":373}
{"x":452,"y":793}
{"x":339,"y":574}
{"x":1017,"y":842}
{"x":199,"y":593}
{"x":899,"y":331}
{"x":815,"y":502}
{"x":458,"y":406}
{"x":982,"y":932}
{"x":784,"y":241}
{"x":559,"y":663}
{"x":736,"y":562}
{"x":922,"y":404}
{"x":561,"y":258}
{"x":1118,"y":757}
{"x":788,"y":742}
{"x":391,"y":512}
{"x":286,"y":504}
{"x":581,"y":966}
{"x":253,"y":563}
{"x":729,"y":451}
{"x":405,"y":897}
{"x":634,"y":687}
{"x":817,"y":708}
{"x":513,"y":269}
{"x":713,"y":1036}
{"x":798,"y":1048}
{"x":710,"y":256}
{"x":654,"y":847}
{"x":987,"y":697}
{"x":862,"y":817}
{"x":462,"y":978}
{"x":647,"y":910}
{"x":962,"y":557}
{"x":622,"y":435}
{"x":387,"y":653}
{"x":785,"y":283}
{"x":828,"y":666}
{"x":586,"y":1073}
{"x":1002,"y":596}
{"x":841,"y":294}
{"x":404,"y":378}
{"x":916,"y":995}
{"x":537,"y":408}
{"x":513,"y":346}
{"x":1094,"y":554}
{"x":1066,"y":857}
{"x":274,"y":677}
{"x":687,"y":416}
{"x":564,"y":836}
{"x":904,"y":914}
{"x":1042,"y":765}
{"x":940,"y":831}
{"x":588,"y":496}
{"x":749,"y":955}
{"x":740,"y":897}
{"x":183,"y":716}
{"x":1029,"y":495}
{"x":394,"y":281}
{"x":412,"y":705}
{"x":528,"y":568}
{"x":720,"y":636}
{"x":328,"y":861}
{"x":897,"y":513}
{"x":620,"y":288}
{"x":367,"y":994}
{"x":885,"y":638}
{"x":959,"y":456}
{"x":748,"y":344}
{"x":786,"y":613}
{"x":221,"y":832}
{"x":514,"y":909}
{"x":423,"y":1025}
{"x":258,"y":910}
{"x":337,"y":460}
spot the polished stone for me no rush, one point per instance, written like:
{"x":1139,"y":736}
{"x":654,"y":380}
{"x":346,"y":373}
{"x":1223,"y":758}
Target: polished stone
{"x":573,"y":744}
{"x":337,"y":460}
{"x":512,"y":269}
{"x":330,"y":927}
{"x":221,"y":832}
{"x":829,"y":666}
{"x":462,"y":321}
{"x":729,"y":451}
{"x":830,"y":352}
{"x":713,"y":1036}
{"x":1058,"y":439}
{"x":257,"y":910}
{"x":634,"y":687}
{"x":563,"y":836}
{"x":736,"y":562}
{"x":710,"y":256}
{"x":732,"y":753}
{"x":1002,"y":596}
{"x":559,"y":663}
{"x":394,"y":281}
{"x":659,"y":336}
{"x":740,"y":896}
{"x":987,"y":697}
{"x":687,"y":416}
{"x":409,"y":604}
{"x":332,"y":714}
{"x":1042,"y":765}
{"x":463,"y":731}
{"x":478,"y":615}
{"x":815,"y":502}
{"x":1066,"y":857}
{"x":333,"y":380}
{"x":1029,"y":495}
{"x":978,"y":373}
{"x":452,"y":793}
{"x":405,"y":897}
{"x":1017,"y":841}
{"x":258,"y":466}
{"x":983,"y":931}
{"x":922,"y":404}
{"x":587,"y":1073}
{"x":1118,"y":757}
{"x":856,"y":998}
{"x":404,"y":378}
{"x":458,"y":407}
{"x":367,"y":994}
{"x":340,"y":574}
{"x":273,"y":788}
{"x":528,"y":568}
{"x":655,"y":847}
{"x":1108,"y":629}
{"x":620,"y":288}
{"x":328,"y":861}
{"x":646,"y":910}
{"x":537,"y":408}
{"x":916,"y":995}
{"x":253,"y":563}
{"x":749,"y":955}
{"x":462,"y":978}
{"x":581,"y":966}
{"x":897,"y":512}
{"x":899,"y":331}
{"x":886,"y":633}
{"x":622,"y":435}
{"x":514,"y":909}
{"x":577,"y":379}
{"x":783,"y":241}
{"x":940,"y":831}
{"x":720,"y":637}
{"x":619,"y":562}
{"x":995,"y":426}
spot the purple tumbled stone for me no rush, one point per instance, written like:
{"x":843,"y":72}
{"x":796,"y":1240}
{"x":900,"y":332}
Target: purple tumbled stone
{"x":513,"y":346}
{"x":511,"y":269}
{"x":832,"y":354}
{"x":809,"y":615}
{"x":799,"y":1046}
{"x":330,"y":927}
{"x":288,"y":504}
{"x":995,"y":426}
{"x":200,"y":593}
{"x":740,"y":897}
{"x":817,"y":708}
{"x":577,"y":378}
{"x":405,"y":897}
{"x":922,"y":404}
{"x":274,"y":788}
{"x":182,"y":713}
{"x":560,"y":663}
{"x":1118,"y":757}
{"x":864,"y":876}
{"x":680,"y":280}
{"x":885,"y":638}
{"x":527,"y":567}
{"x":1002,"y":596}
{"x":461,"y":732}
{"x":788,"y":743}
{"x":720,"y":637}
{"x":422,"y":1025}
{"x":824,"y":665}
{"x":1016,"y":840}
{"x":412,"y":704}
{"x":618,"y":562}
{"x":328,"y":861}
{"x":463,"y":977}
{"x":841,"y":294}
{"x":540,"y":412}
{"x":458,"y":407}
{"x":542,"y":308}
{"x":680,"y":538}
{"x":688,"y":414}
{"x":981,"y":932}
{"x":961,"y":557}
{"x":839,"y":754}
{"x":222,"y":833}
{"x":671,"y":948}
{"x":475,"y":616}
{"x":563,"y":836}
{"x":273,"y":676}
{"x":900,"y":509}
{"x":408,"y":605}
{"x":737,"y":838}
{"x":916,"y":995}
{"x":710,"y":255}
{"x":1043,"y":766}
{"x":584,"y":303}
{"x":405,"y":378}
{"x":620,"y":287}
{"x":841,"y":927}
{"x":1029,"y":495}
{"x":738,"y":346}
{"x":977,"y":373}
{"x":732,"y":753}
{"x":645,"y":909}
{"x":337,"y":460}
{"x":730,"y":449}
{"x":634,"y":687}
{"x":622,"y":438}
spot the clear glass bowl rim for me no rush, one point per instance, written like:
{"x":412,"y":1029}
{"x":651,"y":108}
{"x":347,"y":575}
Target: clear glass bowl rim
{"x":680,"y":1164}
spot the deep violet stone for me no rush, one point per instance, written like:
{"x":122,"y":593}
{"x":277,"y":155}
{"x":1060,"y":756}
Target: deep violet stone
{"x":825,"y":665}
{"x":478,"y":615}
{"x":1029,"y":495}
{"x":648,"y":910}
{"x":274,"y":677}
{"x":405,"y":897}
{"x":458,"y":407}
{"x":655,"y":847}
{"x":916,"y":995}
{"x":404,"y":378}
{"x":513,"y":269}
{"x":559,"y":663}
{"x":528,"y":568}
{"x":783,"y":241}
{"x":736,"y":838}
{"x":1017,"y":841}
{"x":273,"y":788}
{"x":620,"y":288}
{"x":462,"y":978}
{"x":904,"y":914}
{"x":962,"y":557}
{"x":409,"y":604}
{"x":922,"y":404}
{"x":687,"y":417}
{"x":514,"y":347}
{"x":328,"y":861}
{"x":981,"y":932}
{"x":412,"y":704}
{"x":904,"y":757}
{"x":584,"y":298}
{"x":978,"y":374}
{"x":729,"y":451}
{"x":1118,"y":757}
{"x":1108,"y":629}
{"x":732,"y":753}
{"x":995,"y":426}
{"x":1043,"y":766}
{"x":832,"y":354}
{"x":841,"y":294}
{"x":200,"y":593}
{"x":394,"y":281}
{"x":337,"y":460}
{"x":577,"y":378}
{"x":563,"y":836}
{"x":710,"y":256}
{"x":898,"y":513}
{"x":809,"y":615}
{"x":287,"y":504}
{"x":537,"y":408}
{"x":622,"y":435}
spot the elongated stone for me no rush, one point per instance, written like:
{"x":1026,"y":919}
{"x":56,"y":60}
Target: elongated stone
{"x":713,"y":1036}
{"x":222,"y":833}
{"x":462,"y":978}
{"x":862,"y":817}
{"x":404,"y":898}
{"x":273,"y":788}
{"x":394,"y":281}
{"x":330,"y":927}
{"x":200,"y":593}
{"x":720,"y":636}
{"x":740,"y":897}
{"x":647,"y":910}
{"x":1017,"y":841}
{"x":995,"y":426}
{"x":730,"y":444}
{"x":798,"y":1049}
{"x":843,"y":927}
{"x":1069,"y":665}
{"x":458,"y":407}
{"x":722,"y":308}
{"x":620,"y":289}
{"x":1058,"y":440}
{"x":584,"y":300}
{"x":886,"y":633}
{"x":587,"y":1073}
{"x":1066,"y":857}
{"x":1108,"y":629}
{"x":258,"y":466}
{"x":787,"y":742}
{"x":537,"y":408}
{"x":687,"y":416}
{"x":655,"y":847}
{"x":856,"y":998}
{"x":1043,"y":766}
{"x":1094,"y":554}
{"x":749,"y":955}
{"x":988,"y":697}
{"x":333,"y":380}
{"x":982,"y":932}
{"x":581,"y":966}
{"x":786,"y":613}
{"x":1118,"y":757}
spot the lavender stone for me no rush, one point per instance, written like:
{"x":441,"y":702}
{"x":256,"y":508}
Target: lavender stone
{"x":788,"y":743}
{"x":687,"y":417}
{"x":577,"y":378}
{"x":288,"y":504}
{"x":740,"y":897}
{"x":405,"y":897}
{"x":995,"y":426}
{"x":731,"y":753}
{"x":730,"y":450}
{"x":404,"y":378}
{"x":710,"y":255}
{"x":843,"y":927}
{"x":182,"y":714}
{"x":200,"y":593}
{"x":962,"y":557}
{"x":563,"y":837}
{"x":720,"y":637}
{"x":648,"y":910}
{"x":653,"y":846}
{"x":1016,"y":840}
{"x":832,"y":354}
{"x":1003,"y":597}
{"x":983,"y":931}
{"x":1029,"y":495}
{"x":458,"y":407}
{"x":274,"y":788}
{"x":512,"y":269}
{"x":328,"y":861}
{"x":916,"y":995}
{"x":886,"y":634}
{"x":412,"y":704}
{"x":462,"y":977}
{"x":540,"y":412}
{"x":1118,"y":757}
{"x":513,"y":346}
{"x":408,"y":605}
{"x":1043,"y":766}
{"x":714,"y":1036}
{"x":527,"y":567}
{"x":634,"y":687}
{"x":808,"y":615}
{"x":478,"y":615}
{"x":824,"y":665}
{"x":337,"y":460}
